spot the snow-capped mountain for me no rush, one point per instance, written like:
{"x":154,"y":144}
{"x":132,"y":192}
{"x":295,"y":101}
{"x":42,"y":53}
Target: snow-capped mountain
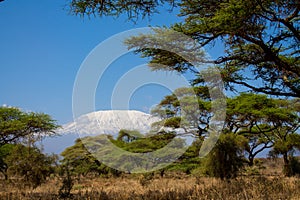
{"x":109,"y":122}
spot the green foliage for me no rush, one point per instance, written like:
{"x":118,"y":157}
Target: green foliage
{"x":193,"y":102}
{"x":154,"y":151}
{"x":16,"y":125}
{"x":133,"y":9}
{"x":264,"y":121}
{"x":260,"y":38}
{"x":225,"y":159}
{"x":30,"y":164}
{"x":293,"y":167}
{"x":285,"y":145}
{"x":146,"y":144}
{"x":67,"y":183}
{"x":190,"y":160}
{"x":5,"y":150}
{"x":81,"y":162}
{"x":128,"y":135}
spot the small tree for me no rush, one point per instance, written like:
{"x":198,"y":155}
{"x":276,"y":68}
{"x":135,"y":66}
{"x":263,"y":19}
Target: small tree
{"x":5,"y":150}
{"x":30,"y":164}
{"x":285,"y":145}
{"x":128,"y":135}
{"x":67,"y":182}
{"x":80,"y":161}
{"x":250,"y":115}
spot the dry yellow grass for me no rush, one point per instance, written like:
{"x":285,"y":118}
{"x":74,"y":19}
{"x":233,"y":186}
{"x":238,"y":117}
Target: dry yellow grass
{"x":270,"y":184}
{"x":166,"y":188}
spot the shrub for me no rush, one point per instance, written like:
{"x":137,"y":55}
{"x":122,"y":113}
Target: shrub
{"x":225,"y":159}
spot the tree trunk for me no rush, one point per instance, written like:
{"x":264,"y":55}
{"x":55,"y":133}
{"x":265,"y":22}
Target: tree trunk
{"x":286,"y":168}
{"x":6,"y":176}
{"x":250,"y":161}
{"x":4,"y":172}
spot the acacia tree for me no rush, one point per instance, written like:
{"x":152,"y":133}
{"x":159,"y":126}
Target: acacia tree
{"x":79,"y":160}
{"x":196,"y":105}
{"x":17,"y":126}
{"x":30,"y":164}
{"x":266,"y":123}
{"x":250,"y":115}
{"x":261,"y":120}
{"x":260,"y":38}
{"x":286,"y":135}
{"x":133,"y":9}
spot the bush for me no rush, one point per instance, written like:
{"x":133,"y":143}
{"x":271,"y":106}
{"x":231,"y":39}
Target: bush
{"x":67,"y":183}
{"x":30,"y":164}
{"x":293,"y":166}
{"x":225,"y":159}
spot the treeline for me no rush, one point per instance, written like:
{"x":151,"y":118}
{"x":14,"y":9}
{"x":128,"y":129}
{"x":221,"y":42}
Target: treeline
{"x":254,"y":123}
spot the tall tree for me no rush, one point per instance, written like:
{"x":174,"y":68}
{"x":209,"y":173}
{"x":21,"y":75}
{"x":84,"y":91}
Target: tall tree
{"x":260,"y":38}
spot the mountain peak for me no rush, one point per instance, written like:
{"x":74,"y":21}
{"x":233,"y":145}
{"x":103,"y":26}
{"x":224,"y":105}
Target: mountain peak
{"x":110,"y":122}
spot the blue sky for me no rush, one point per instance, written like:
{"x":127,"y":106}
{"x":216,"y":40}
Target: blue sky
{"x":43,"y":46}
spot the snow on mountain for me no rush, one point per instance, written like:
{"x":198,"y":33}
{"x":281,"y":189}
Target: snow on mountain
{"x":109,"y":122}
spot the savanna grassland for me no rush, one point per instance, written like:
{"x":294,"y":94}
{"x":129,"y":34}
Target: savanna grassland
{"x":263,"y":181}
{"x":256,"y":61}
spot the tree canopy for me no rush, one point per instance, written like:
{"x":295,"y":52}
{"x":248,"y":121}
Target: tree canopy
{"x":81,"y":161}
{"x":29,"y":164}
{"x":260,"y":38}
{"x":133,"y":9}
{"x":17,"y":129}
{"x":262,"y":122}
{"x":196,"y":119}
{"x":17,"y":125}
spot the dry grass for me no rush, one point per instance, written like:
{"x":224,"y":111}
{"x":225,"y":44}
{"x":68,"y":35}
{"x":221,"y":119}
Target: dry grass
{"x":269,"y":185}
{"x":166,"y":188}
